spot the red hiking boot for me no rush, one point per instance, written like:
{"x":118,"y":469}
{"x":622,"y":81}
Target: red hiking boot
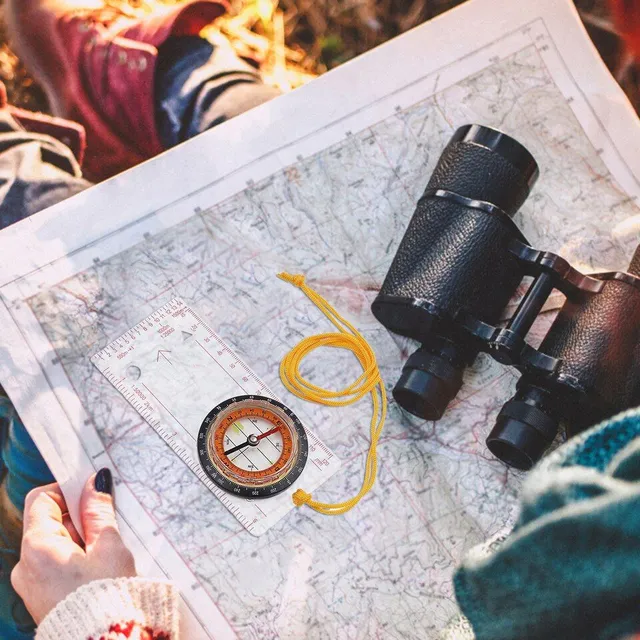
{"x":96,"y":61}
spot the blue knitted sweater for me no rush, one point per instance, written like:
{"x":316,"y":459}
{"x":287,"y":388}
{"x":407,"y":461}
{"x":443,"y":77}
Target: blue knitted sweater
{"x":571,"y":567}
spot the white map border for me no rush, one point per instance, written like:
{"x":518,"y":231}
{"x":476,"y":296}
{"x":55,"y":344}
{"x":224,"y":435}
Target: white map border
{"x":42,"y":261}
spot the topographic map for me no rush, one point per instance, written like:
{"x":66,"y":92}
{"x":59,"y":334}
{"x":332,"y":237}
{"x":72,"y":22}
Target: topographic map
{"x":384,"y":569}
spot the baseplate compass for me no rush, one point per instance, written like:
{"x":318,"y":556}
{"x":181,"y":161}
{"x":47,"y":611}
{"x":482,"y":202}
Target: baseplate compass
{"x":252,"y":446}
{"x":176,"y":372}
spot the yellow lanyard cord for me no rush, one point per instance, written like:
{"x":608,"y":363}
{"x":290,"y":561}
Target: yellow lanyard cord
{"x":368,"y":382}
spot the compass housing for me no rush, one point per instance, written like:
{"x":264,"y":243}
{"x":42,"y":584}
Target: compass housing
{"x":247,"y":483}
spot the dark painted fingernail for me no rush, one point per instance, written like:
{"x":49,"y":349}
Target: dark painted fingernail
{"x":104,"y":481}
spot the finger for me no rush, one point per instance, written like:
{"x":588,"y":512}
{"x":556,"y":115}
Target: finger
{"x":43,"y":510}
{"x":71,"y":530}
{"x":96,"y":507}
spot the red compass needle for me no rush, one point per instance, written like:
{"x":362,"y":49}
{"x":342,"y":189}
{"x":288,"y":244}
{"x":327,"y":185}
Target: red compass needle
{"x":269,"y":433}
{"x":252,"y":440}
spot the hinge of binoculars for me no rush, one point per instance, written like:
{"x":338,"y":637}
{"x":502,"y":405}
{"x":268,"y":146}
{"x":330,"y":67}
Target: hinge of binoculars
{"x":508,"y":344}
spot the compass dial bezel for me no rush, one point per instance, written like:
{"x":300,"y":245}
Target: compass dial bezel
{"x":242,"y":482}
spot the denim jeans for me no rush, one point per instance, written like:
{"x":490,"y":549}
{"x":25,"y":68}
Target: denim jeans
{"x":198,"y":86}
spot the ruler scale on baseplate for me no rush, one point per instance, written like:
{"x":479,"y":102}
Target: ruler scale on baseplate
{"x":174,"y":370}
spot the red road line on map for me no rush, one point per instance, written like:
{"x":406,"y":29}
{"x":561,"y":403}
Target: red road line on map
{"x":217,"y":544}
{"x":129,"y":430}
{"x":200,"y":268}
{"x":164,"y":407}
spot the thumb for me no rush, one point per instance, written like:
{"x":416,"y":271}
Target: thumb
{"x":96,"y":507}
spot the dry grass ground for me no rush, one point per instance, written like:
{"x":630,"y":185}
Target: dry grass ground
{"x":297,"y":40}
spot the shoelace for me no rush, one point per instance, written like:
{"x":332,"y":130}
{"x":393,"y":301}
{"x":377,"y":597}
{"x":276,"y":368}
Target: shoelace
{"x":112,"y":11}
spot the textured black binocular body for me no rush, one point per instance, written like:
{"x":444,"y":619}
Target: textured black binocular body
{"x":458,"y":265}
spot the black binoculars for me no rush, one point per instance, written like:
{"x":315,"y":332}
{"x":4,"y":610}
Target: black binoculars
{"x":459,"y":263}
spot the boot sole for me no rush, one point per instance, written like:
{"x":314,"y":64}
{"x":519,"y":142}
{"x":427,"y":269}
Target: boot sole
{"x":21,"y":49}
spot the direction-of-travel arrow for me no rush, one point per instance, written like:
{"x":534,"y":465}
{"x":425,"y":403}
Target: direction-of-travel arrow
{"x":163,"y":352}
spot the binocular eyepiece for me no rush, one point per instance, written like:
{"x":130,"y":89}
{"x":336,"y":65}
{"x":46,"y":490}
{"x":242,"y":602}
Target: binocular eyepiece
{"x":458,"y":265}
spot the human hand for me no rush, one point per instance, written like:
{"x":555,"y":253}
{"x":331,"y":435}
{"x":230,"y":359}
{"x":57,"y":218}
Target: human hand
{"x":54,"y":561}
